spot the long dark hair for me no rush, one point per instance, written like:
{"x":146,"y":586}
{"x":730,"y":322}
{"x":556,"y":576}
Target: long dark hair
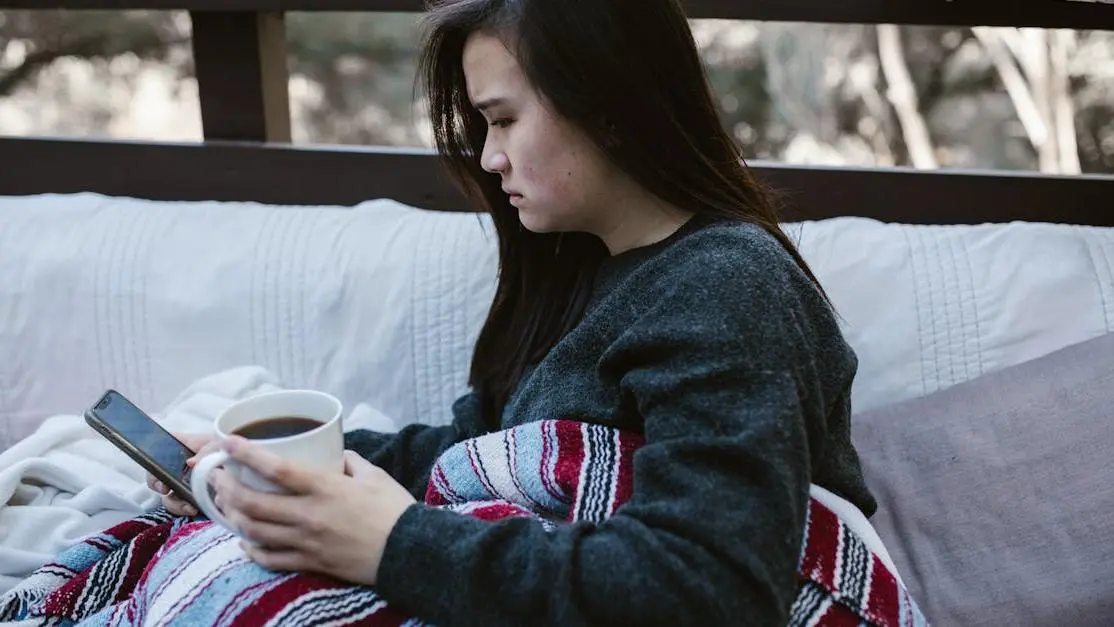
{"x":628,"y":74}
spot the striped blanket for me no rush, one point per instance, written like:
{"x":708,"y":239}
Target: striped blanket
{"x":157,"y":569}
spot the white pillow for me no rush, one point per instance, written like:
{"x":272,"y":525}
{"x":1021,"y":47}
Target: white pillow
{"x":930,"y":306}
{"x":377,"y":304}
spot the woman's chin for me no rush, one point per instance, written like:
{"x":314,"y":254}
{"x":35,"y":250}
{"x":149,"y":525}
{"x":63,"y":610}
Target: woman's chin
{"x":535,"y":223}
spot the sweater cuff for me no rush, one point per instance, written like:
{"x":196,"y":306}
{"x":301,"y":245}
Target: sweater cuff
{"x":364,"y":442}
{"x":417,"y":564}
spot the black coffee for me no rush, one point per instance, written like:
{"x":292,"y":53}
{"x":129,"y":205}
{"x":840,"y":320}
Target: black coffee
{"x":279,"y":427}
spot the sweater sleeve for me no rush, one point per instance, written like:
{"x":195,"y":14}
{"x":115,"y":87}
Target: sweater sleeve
{"x":409,"y":454}
{"x":722,"y":372}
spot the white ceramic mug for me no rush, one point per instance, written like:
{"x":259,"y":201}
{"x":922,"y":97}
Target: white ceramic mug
{"x":320,"y":448}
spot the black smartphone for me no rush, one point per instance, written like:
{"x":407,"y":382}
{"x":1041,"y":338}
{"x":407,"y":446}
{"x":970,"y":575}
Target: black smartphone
{"x":144,"y":440}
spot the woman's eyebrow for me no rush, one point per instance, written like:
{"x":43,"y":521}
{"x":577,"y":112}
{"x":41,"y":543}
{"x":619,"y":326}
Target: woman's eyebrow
{"x":484,"y":105}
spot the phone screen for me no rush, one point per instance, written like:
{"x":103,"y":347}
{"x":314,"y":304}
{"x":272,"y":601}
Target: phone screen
{"x":144,"y":433}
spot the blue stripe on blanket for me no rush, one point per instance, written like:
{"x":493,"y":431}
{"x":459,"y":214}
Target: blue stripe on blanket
{"x":504,"y":466}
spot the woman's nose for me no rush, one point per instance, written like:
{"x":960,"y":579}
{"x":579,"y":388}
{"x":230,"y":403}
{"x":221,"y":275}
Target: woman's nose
{"x":494,"y":160}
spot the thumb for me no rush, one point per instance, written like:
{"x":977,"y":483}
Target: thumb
{"x":357,"y":467}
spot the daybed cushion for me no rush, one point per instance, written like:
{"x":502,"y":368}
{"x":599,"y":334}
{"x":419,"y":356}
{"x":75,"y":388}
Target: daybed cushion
{"x":381,"y":303}
{"x":996,"y":495}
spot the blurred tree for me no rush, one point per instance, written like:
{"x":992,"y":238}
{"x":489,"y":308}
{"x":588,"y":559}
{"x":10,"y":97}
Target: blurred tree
{"x":44,"y":36}
{"x":737,"y":74}
{"x":362,"y":66}
{"x":1032,"y":65}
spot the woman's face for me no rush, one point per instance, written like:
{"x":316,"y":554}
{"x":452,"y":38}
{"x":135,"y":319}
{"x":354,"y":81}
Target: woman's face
{"x":555,"y":176}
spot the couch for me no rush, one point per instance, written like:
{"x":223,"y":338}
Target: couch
{"x":981,"y":403}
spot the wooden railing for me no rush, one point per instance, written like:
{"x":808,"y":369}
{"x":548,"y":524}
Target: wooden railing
{"x":240,"y":59}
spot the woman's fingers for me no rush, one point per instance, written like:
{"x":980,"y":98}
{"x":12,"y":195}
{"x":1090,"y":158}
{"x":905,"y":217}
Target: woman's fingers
{"x":234,"y":496}
{"x":361,"y":469}
{"x":171,"y":501}
{"x":294,"y":477}
{"x":211,"y":446}
{"x":156,"y":485}
{"x":178,"y":506}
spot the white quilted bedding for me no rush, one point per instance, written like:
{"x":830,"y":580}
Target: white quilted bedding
{"x":928,"y":307}
{"x":381,"y":303}
{"x":374,"y":304}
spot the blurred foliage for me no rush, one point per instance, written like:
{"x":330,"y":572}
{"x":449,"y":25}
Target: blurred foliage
{"x":45,"y":36}
{"x":362,"y":66}
{"x":796,"y":92}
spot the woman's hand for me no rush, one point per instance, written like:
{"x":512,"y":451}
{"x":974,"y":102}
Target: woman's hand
{"x":201,"y":445}
{"x":334,"y":524}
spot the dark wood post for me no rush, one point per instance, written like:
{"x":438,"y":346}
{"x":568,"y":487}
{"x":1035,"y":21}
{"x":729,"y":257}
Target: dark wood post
{"x":242,"y":80}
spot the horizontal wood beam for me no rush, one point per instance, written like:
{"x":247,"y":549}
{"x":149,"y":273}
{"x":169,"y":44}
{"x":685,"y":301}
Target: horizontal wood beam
{"x":293,"y":175}
{"x":1076,"y":14}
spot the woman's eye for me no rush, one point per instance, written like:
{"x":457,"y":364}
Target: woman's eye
{"x":501,"y":123}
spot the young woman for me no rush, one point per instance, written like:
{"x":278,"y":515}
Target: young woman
{"x":644,"y":285}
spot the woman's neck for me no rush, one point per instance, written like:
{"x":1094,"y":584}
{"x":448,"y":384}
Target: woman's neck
{"x":639,"y":222}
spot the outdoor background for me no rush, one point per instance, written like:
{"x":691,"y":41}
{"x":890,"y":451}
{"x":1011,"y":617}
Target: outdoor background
{"x":1003,"y":98}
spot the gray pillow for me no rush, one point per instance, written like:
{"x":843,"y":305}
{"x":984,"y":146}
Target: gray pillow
{"x":996,"y":496}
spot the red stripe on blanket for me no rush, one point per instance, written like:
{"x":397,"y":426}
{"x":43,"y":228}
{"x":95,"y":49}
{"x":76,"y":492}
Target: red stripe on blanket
{"x":820,"y":559}
{"x":128,"y":529}
{"x":570,"y":457}
{"x":884,"y":607}
{"x":433,"y":494}
{"x":499,"y":511}
{"x":837,"y":615}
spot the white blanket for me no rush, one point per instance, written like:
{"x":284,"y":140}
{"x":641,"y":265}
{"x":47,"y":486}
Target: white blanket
{"x":65,"y":481}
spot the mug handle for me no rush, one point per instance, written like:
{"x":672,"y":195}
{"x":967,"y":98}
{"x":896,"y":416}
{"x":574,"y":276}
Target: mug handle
{"x":199,"y":483}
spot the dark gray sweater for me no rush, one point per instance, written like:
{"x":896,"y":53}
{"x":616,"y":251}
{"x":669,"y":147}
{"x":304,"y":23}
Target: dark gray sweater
{"x":715,"y":346}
